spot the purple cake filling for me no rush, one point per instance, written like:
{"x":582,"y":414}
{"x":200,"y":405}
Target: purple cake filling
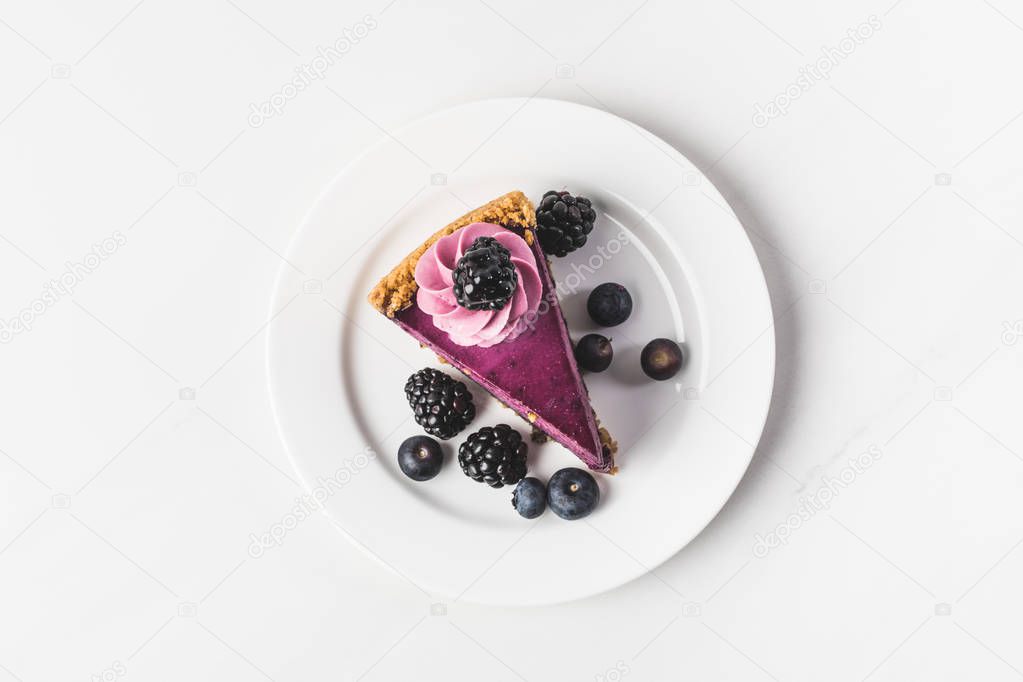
{"x":542,"y":386}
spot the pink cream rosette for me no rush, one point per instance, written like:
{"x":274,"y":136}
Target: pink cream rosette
{"x":484,"y":328}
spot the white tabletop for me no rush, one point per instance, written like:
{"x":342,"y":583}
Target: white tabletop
{"x":872,"y":150}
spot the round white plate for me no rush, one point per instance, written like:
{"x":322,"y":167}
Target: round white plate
{"x":337,"y":368}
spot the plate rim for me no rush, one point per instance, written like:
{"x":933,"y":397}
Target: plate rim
{"x":762,"y":291}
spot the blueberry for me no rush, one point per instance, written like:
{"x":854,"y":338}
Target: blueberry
{"x":572,"y":493}
{"x":530,"y":498}
{"x":661,"y":359}
{"x":420,"y":458}
{"x":609,"y":304}
{"x":594,"y":352}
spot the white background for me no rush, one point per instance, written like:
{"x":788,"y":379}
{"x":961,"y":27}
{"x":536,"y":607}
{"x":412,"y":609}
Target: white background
{"x":885,"y":207}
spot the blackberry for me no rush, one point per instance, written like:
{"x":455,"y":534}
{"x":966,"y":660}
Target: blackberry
{"x":484,"y":277}
{"x":442,"y":406}
{"x":563,"y":221}
{"x":494,"y":455}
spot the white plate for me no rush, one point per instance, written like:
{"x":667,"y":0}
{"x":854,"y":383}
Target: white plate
{"x":337,"y":368}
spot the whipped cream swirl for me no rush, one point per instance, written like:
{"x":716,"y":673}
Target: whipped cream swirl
{"x":484,"y":328}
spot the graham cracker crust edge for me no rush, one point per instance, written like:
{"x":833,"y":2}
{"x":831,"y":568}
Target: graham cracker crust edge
{"x":396,"y":290}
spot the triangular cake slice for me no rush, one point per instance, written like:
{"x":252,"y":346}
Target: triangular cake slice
{"x":530,"y":369}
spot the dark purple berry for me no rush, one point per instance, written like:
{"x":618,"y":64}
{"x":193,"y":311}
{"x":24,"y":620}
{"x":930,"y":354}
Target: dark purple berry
{"x":572,"y":493}
{"x":420,"y":458}
{"x":661,"y":359}
{"x":609,"y":304}
{"x":530,"y":498}
{"x":594,"y":353}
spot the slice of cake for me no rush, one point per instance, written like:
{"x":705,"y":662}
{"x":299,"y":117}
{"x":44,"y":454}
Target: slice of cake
{"x":479,"y":293}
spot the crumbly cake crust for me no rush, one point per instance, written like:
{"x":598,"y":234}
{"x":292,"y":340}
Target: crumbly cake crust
{"x":397,"y":289}
{"x":608,"y":442}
